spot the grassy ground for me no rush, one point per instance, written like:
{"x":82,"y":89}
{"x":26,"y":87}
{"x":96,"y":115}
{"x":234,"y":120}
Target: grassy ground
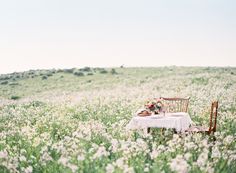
{"x":73,"y":120}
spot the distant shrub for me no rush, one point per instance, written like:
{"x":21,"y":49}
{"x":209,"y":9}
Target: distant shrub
{"x":103,"y":71}
{"x":44,"y":77}
{"x":53,"y":71}
{"x":228,"y":85}
{"x":69,"y":70}
{"x":86,"y":69}
{"x":61,"y":76}
{"x":200,"y":81}
{"x":78,"y":73}
{"x":4,"y":77}
{"x":31,"y":72}
{"x":36,"y":103}
{"x":15,"y":97}
{"x":14,"y":83}
{"x":4,"y":82}
{"x":90,"y":74}
{"x":98,"y":69}
{"x":59,"y":71}
{"x":113,"y":71}
{"x":49,"y":74}
{"x":89,"y":81}
{"x":142,"y":81}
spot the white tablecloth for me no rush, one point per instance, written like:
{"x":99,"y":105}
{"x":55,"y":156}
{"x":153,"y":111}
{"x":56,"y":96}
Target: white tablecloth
{"x":180,"y":121}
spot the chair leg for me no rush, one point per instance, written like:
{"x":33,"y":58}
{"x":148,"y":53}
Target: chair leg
{"x":148,"y":130}
{"x":162,"y":131}
{"x":175,"y":132}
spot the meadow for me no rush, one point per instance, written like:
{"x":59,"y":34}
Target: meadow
{"x":74,"y":120}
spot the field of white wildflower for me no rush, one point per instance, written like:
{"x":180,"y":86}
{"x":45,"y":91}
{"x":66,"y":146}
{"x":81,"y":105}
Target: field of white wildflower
{"x":74,"y":120}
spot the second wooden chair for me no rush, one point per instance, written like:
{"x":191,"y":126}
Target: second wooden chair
{"x":212,"y":122}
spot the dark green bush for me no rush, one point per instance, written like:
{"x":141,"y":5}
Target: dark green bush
{"x":59,"y":71}
{"x":49,"y":74}
{"x":44,"y":77}
{"x":113,"y":71}
{"x":15,"y":97}
{"x":200,"y":81}
{"x":78,"y":73}
{"x":86,"y":69}
{"x":4,"y":77}
{"x":69,"y":70}
{"x":103,"y":71}
{"x":4,"y":82}
{"x":89,"y":74}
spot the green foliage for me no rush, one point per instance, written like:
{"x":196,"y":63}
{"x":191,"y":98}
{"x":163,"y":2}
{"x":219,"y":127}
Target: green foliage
{"x":103,"y":71}
{"x":200,"y":81}
{"x":14,"y":97}
{"x":113,"y":71}
{"x":85,"y":69}
{"x":78,"y":73}
{"x":90,"y":74}
{"x":4,"y":82}
{"x":44,"y":77}
{"x":69,"y":70}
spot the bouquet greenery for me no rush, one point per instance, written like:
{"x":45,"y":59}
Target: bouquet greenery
{"x":154,"y":105}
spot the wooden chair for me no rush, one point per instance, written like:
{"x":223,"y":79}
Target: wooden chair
{"x":175,"y":104}
{"x":212,"y":123}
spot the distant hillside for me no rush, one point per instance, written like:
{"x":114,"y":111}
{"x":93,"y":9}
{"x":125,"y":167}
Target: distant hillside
{"x":15,"y":86}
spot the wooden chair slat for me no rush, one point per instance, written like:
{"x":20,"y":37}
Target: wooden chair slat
{"x":176,"y":104}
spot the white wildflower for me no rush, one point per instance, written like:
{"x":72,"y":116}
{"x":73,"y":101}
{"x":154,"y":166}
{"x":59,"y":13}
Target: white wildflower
{"x":146,"y":169}
{"x":80,"y":157}
{"x":100,"y":152}
{"x":22,"y":158}
{"x":215,"y":152}
{"x":179,"y":164}
{"x":228,"y":140}
{"x":29,"y":169}
{"x":187,"y":156}
{"x":63,"y":160}
{"x":73,"y":167}
{"x":202,"y":159}
{"x":3,"y":154}
{"x":110,"y":168}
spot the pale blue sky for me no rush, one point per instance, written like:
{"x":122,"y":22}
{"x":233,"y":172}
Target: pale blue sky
{"x":62,"y":34}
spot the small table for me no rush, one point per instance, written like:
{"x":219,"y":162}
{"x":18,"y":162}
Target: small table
{"x":180,"y":121}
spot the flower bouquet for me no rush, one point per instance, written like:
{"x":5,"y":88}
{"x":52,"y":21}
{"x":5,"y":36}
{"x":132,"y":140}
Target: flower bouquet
{"x":154,"y":105}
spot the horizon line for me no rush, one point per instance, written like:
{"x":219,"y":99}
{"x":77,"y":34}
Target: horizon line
{"x":121,"y":66}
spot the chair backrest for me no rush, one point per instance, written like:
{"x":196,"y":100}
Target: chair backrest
{"x":213,"y":117}
{"x":175,"y":104}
